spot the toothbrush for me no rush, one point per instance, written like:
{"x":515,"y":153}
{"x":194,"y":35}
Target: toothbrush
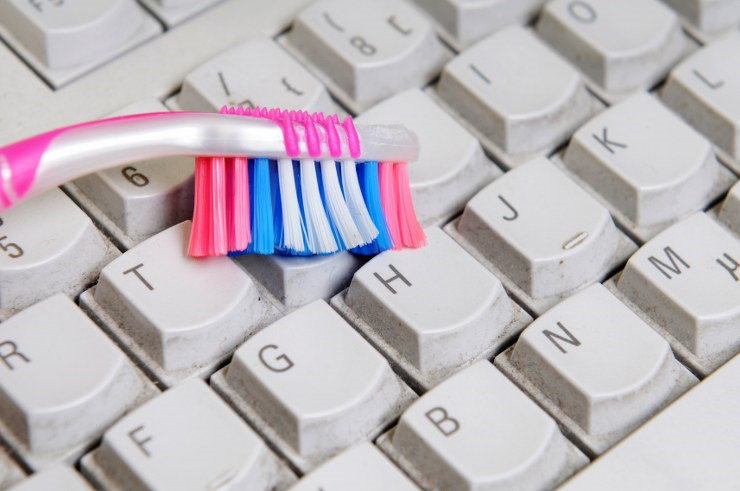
{"x":266,"y":180}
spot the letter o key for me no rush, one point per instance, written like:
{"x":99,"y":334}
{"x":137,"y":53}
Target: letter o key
{"x":286,"y":363}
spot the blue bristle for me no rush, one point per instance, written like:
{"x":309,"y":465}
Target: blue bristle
{"x":277,"y":209}
{"x":367,"y":173}
{"x":260,"y":196}
{"x":337,"y":236}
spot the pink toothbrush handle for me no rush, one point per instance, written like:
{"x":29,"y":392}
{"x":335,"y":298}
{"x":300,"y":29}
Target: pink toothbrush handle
{"x":18,"y":165}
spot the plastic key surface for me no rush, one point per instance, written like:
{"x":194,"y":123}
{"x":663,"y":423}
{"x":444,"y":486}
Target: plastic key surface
{"x":711,"y":17}
{"x":703,"y":90}
{"x":621,"y":46}
{"x":47,"y":245}
{"x":173,"y":12}
{"x":187,"y":439}
{"x":476,"y":430}
{"x":687,"y":280}
{"x":59,"y":477}
{"x":729,"y":214}
{"x":49,"y":414}
{"x":516,"y":92}
{"x":371,"y":50}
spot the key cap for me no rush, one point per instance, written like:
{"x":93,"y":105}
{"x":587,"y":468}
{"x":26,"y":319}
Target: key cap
{"x":254,"y":73}
{"x":465,"y":22}
{"x":371,"y":50}
{"x":47,"y":245}
{"x":687,"y":280}
{"x":621,"y":46}
{"x":143,"y":198}
{"x":60,"y":477}
{"x":49,"y":417}
{"x":361,"y":468}
{"x":418,"y":307}
{"x":729,"y":214}
{"x":650,"y":166}
{"x":703,"y":90}
{"x":10,"y":472}
{"x":541,"y":230}
{"x":451,"y":167}
{"x":598,"y":366}
{"x":476,"y":430}
{"x":174,"y":12}
{"x":182,"y":315}
{"x":693,"y":444}
{"x":186,"y":438}
{"x":516,"y":92}
{"x":314,"y":384}
{"x":298,"y":280}
{"x":711,"y":17}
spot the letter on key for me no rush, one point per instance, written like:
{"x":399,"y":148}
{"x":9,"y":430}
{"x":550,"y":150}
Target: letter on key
{"x":687,"y":279}
{"x":316,"y":382}
{"x":62,"y":381}
{"x":437,"y":306}
{"x":186,"y":438}
{"x":541,"y":229}
{"x":183,"y":312}
{"x":476,"y":430}
{"x":599,"y":363}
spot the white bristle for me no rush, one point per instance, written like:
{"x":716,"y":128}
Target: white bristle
{"x":293,"y":229}
{"x":319,"y":234}
{"x":337,"y":207}
{"x":356,"y":203}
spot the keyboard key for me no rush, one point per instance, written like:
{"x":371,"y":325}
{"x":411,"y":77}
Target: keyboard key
{"x":729,"y":214}
{"x":647,"y":164}
{"x":181,"y":316}
{"x":418,"y":307}
{"x":47,"y":245}
{"x":542,"y":231}
{"x":143,"y":198}
{"x":362,"y":467}
{"x":298,"y":280}
{"x":703,"y":90}
{"x":451,"y":167}
{"x":65,"y":39}
{"x":312,"y":385}
{"x":687,"y":280}
{"x":711,"y":17}
{"x":521,"y":96}
{"x":10,"y":471}
{"x":621,"y":46}
{"x":174,"y":12}
{"x":693,"y":444}
{"x":371,"y":50}
{"x":48,"y":418}
{"x":465,"y":22}
{"x":186,"y":438}
{"x":254,"y":73}
{"x":597,"y":367}
{"x":60,"y":477}
{"x":476,"y":430}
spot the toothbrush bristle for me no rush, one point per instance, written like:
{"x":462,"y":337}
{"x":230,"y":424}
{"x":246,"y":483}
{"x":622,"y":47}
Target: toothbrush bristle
{"x":412,"y":234}
{"x":237,"y":203}
{"x":367,"y":173}
{"x":337,"y":207}
{"x":356,"y":202}
{"x":388,"y":199}
{"x":292,"y":237}
{"x":263,"y":238}
{"x":319,"y":234}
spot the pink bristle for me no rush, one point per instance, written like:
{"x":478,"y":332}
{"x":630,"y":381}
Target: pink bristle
{"x":388,"y":200}
{"x":237,"y":203}
{"x":219,"y":234}
{"x":200,"y":231}
{"x":412,"y":235}
{"x":353,"y":139}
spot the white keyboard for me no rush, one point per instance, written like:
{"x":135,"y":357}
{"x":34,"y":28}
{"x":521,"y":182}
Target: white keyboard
{"x":574,"y":321}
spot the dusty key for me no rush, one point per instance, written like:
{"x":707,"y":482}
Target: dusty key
{"x":729,"y":214}
{"x":476,"y":430}
{"x":687,"y":280}
{"x":646,"y":162}
{"x":421,"y":307}
{"x":142,"y":198}
{"x":187,"y":439}
{"x":541,"y":230}
{"x":465,"y":22}
{"x":180,"y":314}
{"x":47,"y":245}
{"x":371,"y":50}
{"x":516,"y":92}
{"x":451,"y":167}
{"x":48,"y":417}
{"x":314,"y":384}
{"x":360,"y":468}
{"x":596,"y":362}
{"x":255,"y":73}
{"x":710,"y":17}
{"x":621,"y":46}
{"x":703,"y":90}
{"x":59,"y":477}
